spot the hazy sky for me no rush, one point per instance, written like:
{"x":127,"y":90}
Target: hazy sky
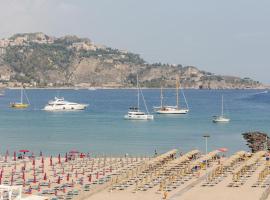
{"x":226,"y":37}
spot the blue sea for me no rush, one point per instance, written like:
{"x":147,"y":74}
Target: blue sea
{"x":101,"y":128}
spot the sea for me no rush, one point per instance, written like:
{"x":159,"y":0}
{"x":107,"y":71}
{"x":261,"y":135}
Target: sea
{"x":102,"y":130}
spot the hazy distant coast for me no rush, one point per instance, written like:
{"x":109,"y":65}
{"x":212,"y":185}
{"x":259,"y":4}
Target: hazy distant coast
{"x":36,"y":60}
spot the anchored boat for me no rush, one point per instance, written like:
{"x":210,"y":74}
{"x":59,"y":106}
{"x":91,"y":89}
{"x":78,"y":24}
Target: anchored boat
{"x":59,"y":104}
{"x":165,"y":109}
{"x":135,"y":113}
{"x":21,"y":104}
{"x":221,"y":118}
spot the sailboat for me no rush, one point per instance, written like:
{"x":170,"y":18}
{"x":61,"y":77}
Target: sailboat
{"x":221,"y":118}
{"x":135,"y":113}
{"x":165,"y":109}
{"x":21,"y":104}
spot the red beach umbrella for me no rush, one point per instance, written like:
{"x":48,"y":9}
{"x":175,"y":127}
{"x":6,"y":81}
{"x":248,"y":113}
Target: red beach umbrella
{"x":73,"y":151}
{"x":68,"y":177}
{"x":223,"y":149}
{"x":14,"y":156}
{"x":59,"y":180}
{"x":23,"y":151}
{"x":45,"y":177}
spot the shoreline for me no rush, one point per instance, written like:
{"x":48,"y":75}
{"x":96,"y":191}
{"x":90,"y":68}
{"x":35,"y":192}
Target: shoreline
{"x":122,"y":88}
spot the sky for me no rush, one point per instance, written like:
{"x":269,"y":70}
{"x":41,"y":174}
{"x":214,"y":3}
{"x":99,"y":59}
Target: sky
{"x":229,"y":37}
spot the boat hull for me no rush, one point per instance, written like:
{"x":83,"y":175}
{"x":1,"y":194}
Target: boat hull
{"x":139,"y":117}
{"x":65,"y":107}
{"x":221,"y":120}
{"x":180,"y":111}
{"x":19,"y":105}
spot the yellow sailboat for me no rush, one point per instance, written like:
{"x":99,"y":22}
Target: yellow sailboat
{"x":21,"y":104}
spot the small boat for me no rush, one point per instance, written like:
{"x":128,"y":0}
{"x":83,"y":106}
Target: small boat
{"x":59,"y":104}
{"x":164,"y":109}
{"x":135,"y":113}
{"x":21,"y":104}
{"x":221,"y":118}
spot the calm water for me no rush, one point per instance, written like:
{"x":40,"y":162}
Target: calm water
{"x":102,"y":129}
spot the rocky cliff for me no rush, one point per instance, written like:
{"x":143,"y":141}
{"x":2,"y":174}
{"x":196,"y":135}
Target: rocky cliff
{"x":39,"y":60}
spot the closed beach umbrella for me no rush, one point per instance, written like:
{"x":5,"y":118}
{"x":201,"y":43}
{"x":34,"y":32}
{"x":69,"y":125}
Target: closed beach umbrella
{"x":34,"y":162}
{"x":59,"y":158}
{"x":90,"y":178}
{"x":12,"y":178}
{"x":35,"y":178}
{"x":45,"y":177}
{"x":66,"y":157}
{"x":59,"y":180}
{"x":97,"y":175}
{"x":68,"y":177}
{"x":42,"y":160}
{"x":14,"y":155}
{"x":51,"y":161}
{"x":23,"y":175}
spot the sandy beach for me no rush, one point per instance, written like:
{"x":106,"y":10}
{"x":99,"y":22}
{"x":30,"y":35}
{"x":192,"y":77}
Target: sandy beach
{"x":172,"y":176}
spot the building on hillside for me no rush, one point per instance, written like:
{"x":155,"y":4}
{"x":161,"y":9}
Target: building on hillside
{"x":83,"y":46}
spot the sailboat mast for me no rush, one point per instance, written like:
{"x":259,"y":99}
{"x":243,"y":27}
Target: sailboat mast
{"x":138,"y":93}
{"x":161,"y":97}
{"x":21,"y":95}
{"x":222,"y":105}
{"x":177,"y":92}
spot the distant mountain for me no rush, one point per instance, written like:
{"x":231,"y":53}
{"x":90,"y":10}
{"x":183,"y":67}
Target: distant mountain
{"x":39,"y":60}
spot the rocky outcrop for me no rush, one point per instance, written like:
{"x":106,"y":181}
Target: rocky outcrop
{"x":257,"y":141}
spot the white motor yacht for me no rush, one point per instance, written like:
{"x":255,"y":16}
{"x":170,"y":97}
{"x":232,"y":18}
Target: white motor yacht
{"x":59,"y":104}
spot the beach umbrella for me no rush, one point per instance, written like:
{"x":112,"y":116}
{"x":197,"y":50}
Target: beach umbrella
{"x":66,"y":157}
{"x":110,"y":168}
{"x":12,"y":178}
{"x":45,"y":177}
{"x":73,"y":151}
{"x":223,"y":149}
{"x":76,"y":174}
{"x":34,"y":162}
{"x":39,"y":187}
{"x":59,"y":158}
{"x":97,"y":175}
{"x":35,"y":179}
{"x":23,"y":175}
{"x":24,"y":151}
{"x":90,"y":178}
{"x":59,"y":180}
{"x":72,"y":183}
{"x":14,"y":156}
{"x":42,"y":160}
{"x":51,"y":161}
{"x":68,"y":177}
